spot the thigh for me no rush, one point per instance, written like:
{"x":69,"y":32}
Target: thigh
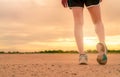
{"x":95,"y":13}
{"x":78,"y":15}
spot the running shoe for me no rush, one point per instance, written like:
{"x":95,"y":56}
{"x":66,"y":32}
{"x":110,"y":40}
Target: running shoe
{"x":102,"y":53}
{"x":83,"y":59}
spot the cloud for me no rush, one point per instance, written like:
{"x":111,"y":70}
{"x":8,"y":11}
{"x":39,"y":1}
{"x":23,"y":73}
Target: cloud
{"x":27,"y":19}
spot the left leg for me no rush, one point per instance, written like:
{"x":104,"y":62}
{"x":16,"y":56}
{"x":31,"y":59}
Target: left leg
{"x":96,"y":17}
{"x":99,"y":28}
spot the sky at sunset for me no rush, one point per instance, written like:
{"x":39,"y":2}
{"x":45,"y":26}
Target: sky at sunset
{"x":29,"y":25}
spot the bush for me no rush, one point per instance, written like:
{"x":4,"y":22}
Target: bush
{"x":2,"y":52}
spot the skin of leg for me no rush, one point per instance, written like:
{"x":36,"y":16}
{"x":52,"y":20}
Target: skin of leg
{"x":95,"y":13}
{"x":78,"y":28}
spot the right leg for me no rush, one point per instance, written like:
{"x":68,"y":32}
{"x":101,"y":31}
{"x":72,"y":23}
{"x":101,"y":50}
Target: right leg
{"x":78,"y":28}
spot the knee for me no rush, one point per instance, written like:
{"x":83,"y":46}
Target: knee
{"x":97,"y":22}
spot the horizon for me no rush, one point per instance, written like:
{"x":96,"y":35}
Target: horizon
{"x":54,"y":51}
{"x":30,"y":25}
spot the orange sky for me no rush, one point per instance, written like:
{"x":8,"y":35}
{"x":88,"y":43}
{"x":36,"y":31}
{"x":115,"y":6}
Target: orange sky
{"x":45,"y":24}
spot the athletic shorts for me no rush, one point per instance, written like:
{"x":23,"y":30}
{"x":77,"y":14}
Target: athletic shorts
{"x":81,"y":3}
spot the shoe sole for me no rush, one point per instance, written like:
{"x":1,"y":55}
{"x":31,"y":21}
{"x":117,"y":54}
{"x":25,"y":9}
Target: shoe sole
{"x":101,"y":60}
{"x":83,"y":64}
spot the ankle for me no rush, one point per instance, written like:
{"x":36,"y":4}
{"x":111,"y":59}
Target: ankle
{"x":102,"y":42}
{"x":82,"y":53}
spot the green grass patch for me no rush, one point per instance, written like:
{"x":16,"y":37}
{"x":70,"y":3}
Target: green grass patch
{"x":54,"y":51}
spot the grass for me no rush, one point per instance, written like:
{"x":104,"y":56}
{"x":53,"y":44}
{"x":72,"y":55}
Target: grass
{"x":54,"y":51}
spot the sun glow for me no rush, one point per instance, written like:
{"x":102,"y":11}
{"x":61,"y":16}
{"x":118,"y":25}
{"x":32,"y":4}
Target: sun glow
{"x":70,"y":44}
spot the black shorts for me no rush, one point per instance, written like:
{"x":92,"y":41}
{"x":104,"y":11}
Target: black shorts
{"x":80,"y":3}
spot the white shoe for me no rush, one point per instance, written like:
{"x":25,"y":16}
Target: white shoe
{"x":83,"y":59}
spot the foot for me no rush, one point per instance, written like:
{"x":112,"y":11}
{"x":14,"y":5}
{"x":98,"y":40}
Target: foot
{"x":83,"y":59}
{"x":102,"y":53}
